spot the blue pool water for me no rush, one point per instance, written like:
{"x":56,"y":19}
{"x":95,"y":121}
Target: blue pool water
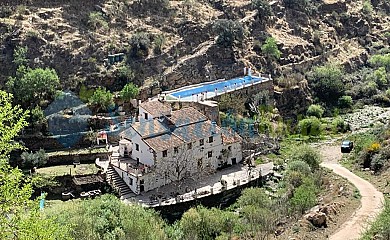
{"x":220,"y":86}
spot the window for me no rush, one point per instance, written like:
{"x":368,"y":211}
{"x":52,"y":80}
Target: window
{"x":165,"y":153}
{"x":131,"y":182}
{"x":201,"y":142}
{"x":137,"y":147}
{"x":175,"y":150}
{"x":211,"y":139}
{"x":230,"y":148}
{"x":189,"y":145}
{"x":209,"y":154}
{"x":146,"y":116}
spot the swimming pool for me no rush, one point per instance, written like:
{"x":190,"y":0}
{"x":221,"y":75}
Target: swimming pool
{"x":216,"y":88}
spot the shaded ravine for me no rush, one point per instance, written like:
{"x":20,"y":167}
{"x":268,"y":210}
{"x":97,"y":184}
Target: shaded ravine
{"x":371,"y":199}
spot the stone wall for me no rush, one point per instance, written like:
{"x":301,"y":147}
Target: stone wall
{"x":68,"y":159}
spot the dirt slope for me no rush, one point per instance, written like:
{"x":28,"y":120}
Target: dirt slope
{"x":371,"y":199}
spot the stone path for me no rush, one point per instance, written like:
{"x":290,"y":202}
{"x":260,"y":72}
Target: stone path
{"x":371,"y":199}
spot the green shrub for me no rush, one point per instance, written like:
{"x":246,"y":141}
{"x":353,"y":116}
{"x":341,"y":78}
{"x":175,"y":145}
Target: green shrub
{"x":367,"y":7}
{"x":339,"y":125}
{"x":294,"y":178}
{"x":315,"y":110}
{"x":129,"y":92}
{"x":20,"y":54}
{"x":310,"y":127}
{"x":159,"y":42}
{"x":37,"y":159}
{"x":381,"y":61}
{"x":270,"y":48}
{"x":296,"y":4}
{"x":140,"y":44}
{"x":377,"y":162}
{"x":307,"y":154}
{"x":304,"y":197}
{"x":101,"y":99}
{"x":326,"y":82}
{"x":253,"y":196}
{"x":96,"y":20}
{"x":381,"y":77}
{"x":380,"y":228}
{"x":299,"y":166}
{"x":203,"y":223}
{"x":229,"y":32}
{"x":263,"y":8}
{"x":85,"y":94}
{"x":345,"y":102}
{"x":125,"y":73}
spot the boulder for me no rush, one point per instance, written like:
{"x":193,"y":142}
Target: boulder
{"x":318,"y":219}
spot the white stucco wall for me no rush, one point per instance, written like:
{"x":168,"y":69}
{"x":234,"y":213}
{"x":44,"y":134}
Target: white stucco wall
{"x":126,"y":178}
{"x":144,"y":155}
{"x":142,"y":112}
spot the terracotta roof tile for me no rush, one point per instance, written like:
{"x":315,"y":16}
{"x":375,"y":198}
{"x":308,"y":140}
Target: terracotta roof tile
{"x":156,"y":108}
{"x":186,"y":116}
{"x":163,"y":142}
{"x":147,"y":129}
{"x":200,"y":130}
{"x":230,"y":136}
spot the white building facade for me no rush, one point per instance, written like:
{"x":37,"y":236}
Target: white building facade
{"x":171,"y":146}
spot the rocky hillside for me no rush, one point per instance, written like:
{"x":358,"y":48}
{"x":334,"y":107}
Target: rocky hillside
{"x":74,"y":37}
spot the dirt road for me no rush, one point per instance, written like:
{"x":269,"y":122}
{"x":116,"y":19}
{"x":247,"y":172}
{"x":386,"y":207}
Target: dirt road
{"x":371,"y":199}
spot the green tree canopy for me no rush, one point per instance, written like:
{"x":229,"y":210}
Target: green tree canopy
{"x":106,"y":217}
{"x":263,"y":8}
{"x":327,"y":83}
{"x":33,"y":85}
{"x":228,"y":31}
{"x":315,"y":110}
{"x":129,"y":92}
{"x":20,"y":56}
{"x":101,"y":99}
{"x":19,"y":216}
{"x":307,"y":154}
{"x":270,"y":48}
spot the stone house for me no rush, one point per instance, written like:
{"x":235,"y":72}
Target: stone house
{"x":165,"y":146}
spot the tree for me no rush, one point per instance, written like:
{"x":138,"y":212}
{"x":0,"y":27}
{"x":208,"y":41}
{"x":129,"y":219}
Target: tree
{"x":174,"y":168}
{"x":270,"y":48}
{"x":229,"y":32}
{"x":310,"y":127}
{"x":13,"y":120}
{"x":106,"y":217}
{"x":345,"y":102}
{"x":207,"y":224}
{"x":101,"y":99}
{"x":129,"y":91}
{"x":263,"y":8}
{"x":140,"y":44}
{"x":20,"y":56}
{"x":381,"y":61}
{"x":37,"y":159}
{"x":33,"y":85}
{"x":307,"y":154}
{"x":19,"y":216}
{"x":326,"y":82}
{"x":315,"y":110}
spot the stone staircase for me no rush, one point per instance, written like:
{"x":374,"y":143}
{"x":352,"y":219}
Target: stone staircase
{"x":118,"y":184}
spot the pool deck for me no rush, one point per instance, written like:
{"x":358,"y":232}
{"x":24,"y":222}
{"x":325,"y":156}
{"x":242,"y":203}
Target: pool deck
{"x":208,"y":90}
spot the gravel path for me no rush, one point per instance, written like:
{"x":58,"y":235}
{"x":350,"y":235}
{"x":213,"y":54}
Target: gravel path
{"x":371,"y":199}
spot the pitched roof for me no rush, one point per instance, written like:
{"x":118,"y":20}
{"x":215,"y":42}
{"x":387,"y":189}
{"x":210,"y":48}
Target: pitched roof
{"x":163,"y":142}
{"x":156,"y":108}
{"x":199,"y":130}
{"x":230,"y":136}
{"x":186,"y":116}
{"x":147,"y":129}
